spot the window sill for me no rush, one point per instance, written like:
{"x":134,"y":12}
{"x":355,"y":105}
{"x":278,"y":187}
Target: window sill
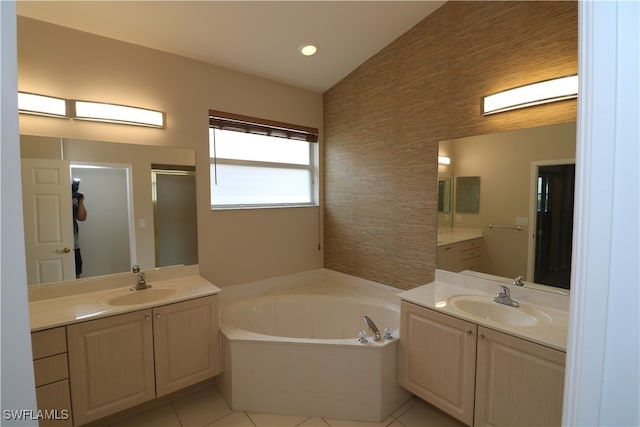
{"x":254,"y":207}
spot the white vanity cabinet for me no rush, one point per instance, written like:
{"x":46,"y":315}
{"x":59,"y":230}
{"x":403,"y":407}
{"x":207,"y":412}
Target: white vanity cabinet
{"x":447,"y":361}
{"x":518,"y":382}
{"x":459,"y":256}
{"x":120,"y":361}
{"x":52,"y":376}
{"x":111,"y":364}
{"x":186,"y":343}
{"x":438,"y":359}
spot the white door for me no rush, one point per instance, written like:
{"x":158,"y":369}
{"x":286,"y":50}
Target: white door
{"x":48,"y":221}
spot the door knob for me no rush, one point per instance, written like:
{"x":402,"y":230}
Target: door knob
{"x":63,"y":251}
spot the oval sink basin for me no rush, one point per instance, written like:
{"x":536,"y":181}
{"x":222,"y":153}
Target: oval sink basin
{"x":141,"y":296}
{"x":486,"y":308}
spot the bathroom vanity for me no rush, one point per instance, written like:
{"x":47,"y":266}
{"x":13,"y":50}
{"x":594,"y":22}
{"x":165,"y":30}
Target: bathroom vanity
{"x":481,"y":362}
{"x":459,"y":250}
{"x":110,"y":348}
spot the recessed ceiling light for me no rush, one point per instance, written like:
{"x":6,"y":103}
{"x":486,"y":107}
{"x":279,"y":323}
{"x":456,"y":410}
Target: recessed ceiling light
{"x":308,"y":49}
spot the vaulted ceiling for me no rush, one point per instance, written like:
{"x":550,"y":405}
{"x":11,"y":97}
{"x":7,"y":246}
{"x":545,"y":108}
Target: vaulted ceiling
{"x":256,"y":37}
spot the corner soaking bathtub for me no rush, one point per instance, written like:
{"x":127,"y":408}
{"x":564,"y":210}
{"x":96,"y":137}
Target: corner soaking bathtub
{"x":290,"y":346}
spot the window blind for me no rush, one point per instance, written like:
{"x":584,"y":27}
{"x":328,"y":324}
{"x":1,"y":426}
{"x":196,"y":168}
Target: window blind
{"x":236,"y":122}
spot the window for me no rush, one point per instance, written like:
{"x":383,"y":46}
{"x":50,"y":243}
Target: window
{"x":259,"y":163}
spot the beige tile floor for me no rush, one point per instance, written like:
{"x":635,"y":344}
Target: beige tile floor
{"x":207,"y":408}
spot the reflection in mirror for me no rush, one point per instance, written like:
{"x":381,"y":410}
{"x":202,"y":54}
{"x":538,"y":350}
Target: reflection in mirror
{"x":527,"y":196}
{"x":444,"y":201}
{"x":121,"y":226}
{"x":106,"y":191}
{"x":468,"y":194}
{"x":174,"y":212}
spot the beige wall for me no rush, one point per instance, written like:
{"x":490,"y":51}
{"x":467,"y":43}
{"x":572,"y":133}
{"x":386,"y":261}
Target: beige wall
{"x":383,"y":123}
{"x":503,"y":162}
{"x":234,"y":246}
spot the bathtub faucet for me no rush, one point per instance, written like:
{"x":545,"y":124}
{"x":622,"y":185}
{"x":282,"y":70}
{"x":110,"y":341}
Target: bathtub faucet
{"x":372,"y":327}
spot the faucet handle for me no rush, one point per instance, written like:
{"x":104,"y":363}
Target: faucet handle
{"x":135,"y":268}
{"x":388,"y":333}
{"x":504,"y":291}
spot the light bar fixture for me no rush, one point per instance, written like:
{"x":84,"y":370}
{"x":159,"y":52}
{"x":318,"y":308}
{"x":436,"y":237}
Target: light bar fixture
{"x":30,"y":103}
{"x":533,"y":94}
{"x":112,"y":113}
{"x":444,"y":160}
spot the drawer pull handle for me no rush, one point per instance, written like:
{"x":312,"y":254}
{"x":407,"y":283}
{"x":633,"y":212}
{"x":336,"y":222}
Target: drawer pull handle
{"x":147,"y":317}
{"x":469,"y":331}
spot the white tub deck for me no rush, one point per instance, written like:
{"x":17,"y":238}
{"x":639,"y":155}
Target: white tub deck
{"x":290,"y":346}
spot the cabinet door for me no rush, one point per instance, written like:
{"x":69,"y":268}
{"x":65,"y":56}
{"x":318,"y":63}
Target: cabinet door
{"x":518,"y":382}
{"x":437,"y":359}
{"x":110,"y":364}
{"x":186,"y":343}
{"x":447,"y":257}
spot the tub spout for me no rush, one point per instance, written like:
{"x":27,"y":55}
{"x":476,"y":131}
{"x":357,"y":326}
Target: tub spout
{"x":372,"y":327}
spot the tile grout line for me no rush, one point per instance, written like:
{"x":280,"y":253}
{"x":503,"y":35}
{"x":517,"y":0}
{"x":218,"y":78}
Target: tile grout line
{"x":173,"y":408}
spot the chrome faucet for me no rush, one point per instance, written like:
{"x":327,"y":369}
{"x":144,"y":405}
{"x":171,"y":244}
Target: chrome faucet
{"x":141,"y":282}
{"x":372,"y":327}
{"x":504,"y":297}
{"x":518,"y":281}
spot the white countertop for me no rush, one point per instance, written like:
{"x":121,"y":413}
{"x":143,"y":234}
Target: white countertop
{"x":454,"y":235}
{"x":436,"y":296}
{"x":73,"y":308}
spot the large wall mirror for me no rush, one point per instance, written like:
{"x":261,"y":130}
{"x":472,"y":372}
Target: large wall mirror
{"x":140,"y":202}
{"x":525,"y":217}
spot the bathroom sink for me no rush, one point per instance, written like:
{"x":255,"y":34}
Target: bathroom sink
{"x":142,"y":296}
{"x":485,"y":308}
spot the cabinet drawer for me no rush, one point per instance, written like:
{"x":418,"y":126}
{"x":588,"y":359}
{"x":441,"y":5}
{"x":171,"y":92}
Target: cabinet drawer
{"x":469,"y":244}
{"x":468,"y":254}
{"x":49,"y":342}
{"x":472,"y":264}
{"x":51,"y":369}
{"x":55,"y":398}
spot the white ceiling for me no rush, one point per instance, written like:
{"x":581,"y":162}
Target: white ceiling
{"x":261,"y":38}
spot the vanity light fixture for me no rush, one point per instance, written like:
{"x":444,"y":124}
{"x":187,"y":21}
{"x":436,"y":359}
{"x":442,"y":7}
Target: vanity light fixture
{"x":308,"y":49}
{"x":444,"y":160}
{"x":532,"y":94}
{"x":112,"y":113}
{"x":41,"y":105}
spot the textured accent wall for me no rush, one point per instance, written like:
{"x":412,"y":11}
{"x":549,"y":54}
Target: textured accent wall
{"x":382,"y":124}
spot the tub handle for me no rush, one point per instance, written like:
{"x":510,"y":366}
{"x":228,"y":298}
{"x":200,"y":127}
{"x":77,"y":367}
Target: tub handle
{"x":362,"y":337}
{"x":388,"y":334}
